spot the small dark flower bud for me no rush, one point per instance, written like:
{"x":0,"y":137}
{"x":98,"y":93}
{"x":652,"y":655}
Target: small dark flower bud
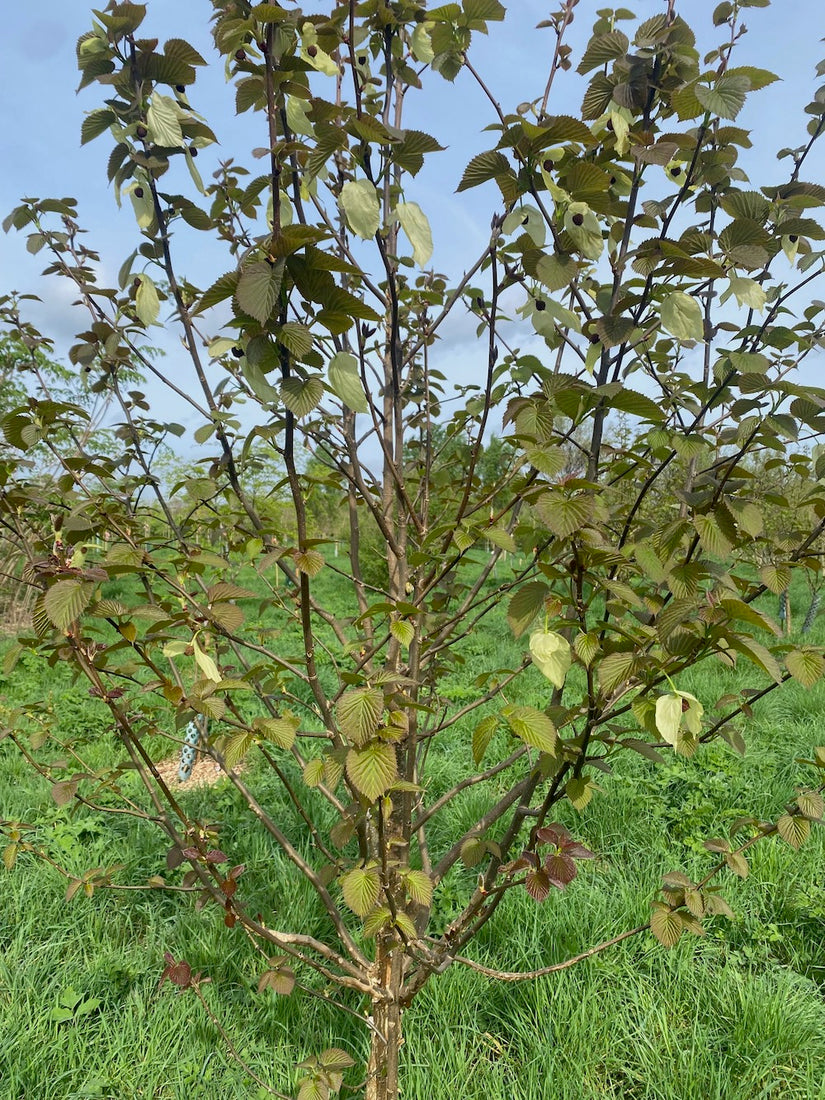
{"x":240,"y":55}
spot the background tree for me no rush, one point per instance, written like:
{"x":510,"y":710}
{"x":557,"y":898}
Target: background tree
{"x":660,"y":286}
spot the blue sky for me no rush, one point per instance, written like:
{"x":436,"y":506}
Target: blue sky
{"x":42,"y":156}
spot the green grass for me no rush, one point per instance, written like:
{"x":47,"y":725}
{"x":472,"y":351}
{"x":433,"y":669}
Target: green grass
{"x":736,"y":1015}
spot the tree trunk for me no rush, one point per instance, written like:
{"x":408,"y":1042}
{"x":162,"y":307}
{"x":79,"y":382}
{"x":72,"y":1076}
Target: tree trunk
{"x":382,"y":1071}
{"x":386,"y":1037}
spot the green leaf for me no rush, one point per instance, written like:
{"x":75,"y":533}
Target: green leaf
{"x":96,"y":123}
{"x":757,"y":653}
{"x":665,"y":924}
{"x":579,"y":792}
{"x":713,"y":540}
{"x":810,"y":804}
{"x":483,"y":10}
{"x":727,"y":97}
{"x":482,"y":736}
{"x":616,"y":669}
{"x":65,"y":601}
{"x":586,"y":647}
{"x":525,"y":605}
{"x":309,"y":561}
{"x":405,"y":925}
{"x":669,"y":717}
{"x":417,"y":228}
{"x":556,"y":271}
{"x":419,"y":886}
{"x":301,"y":396}
{"x":142,"y":204}
{"x":682,"y":316}
{"x":257,"y":290}
{"x":296,"y":338}
{"x":205,"y":662}
{"x":410,"y":151}
{"x":359,"y":713}
{"x":421,"y":44}
{"x":403,"y":631}
{"x":585,"y":230}
{"x":776,"y":578}
{"x":749,"y":519}
{"x":372,"y":769}
{"x":361,"y":888}
{"x":737,"y":863}
{"x":359,"y":202}
{"x":484,"y":167}
{"x":147,"y":303}
{"x":602,"y":49}
{"x":747,"y":292}
{"x":531,"y":726}
{"x":376,"y":921}
{"x":473,"y":850}
{"x":163,"y":121}
{"x":181,"y":51}
{"x":758,"y":78}
{"x":744,"y":612}
{"x":222,"y":288}
{"x":281,"y":730}
{"x":562,"y":128}
{"x":334,"y":1059}
{"x":11,"y":657}
{"x":314,"y":771}
{"x":312,"y":1088}
{"x":564,"y":515}
{"x":501,"y":538}
{"x":806,"y":666}
{"x":345,"y":381}
{"x":236,"y":746}
{"x":551,"y":654}
{"x":793,"y":829}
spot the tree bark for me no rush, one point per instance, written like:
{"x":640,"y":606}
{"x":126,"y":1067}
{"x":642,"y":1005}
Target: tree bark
{"x":386,"y":1038}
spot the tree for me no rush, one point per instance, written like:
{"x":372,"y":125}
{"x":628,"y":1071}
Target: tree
{"x":646,"y":279}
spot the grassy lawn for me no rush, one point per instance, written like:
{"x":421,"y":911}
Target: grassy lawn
{"x":736,"y":1015}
